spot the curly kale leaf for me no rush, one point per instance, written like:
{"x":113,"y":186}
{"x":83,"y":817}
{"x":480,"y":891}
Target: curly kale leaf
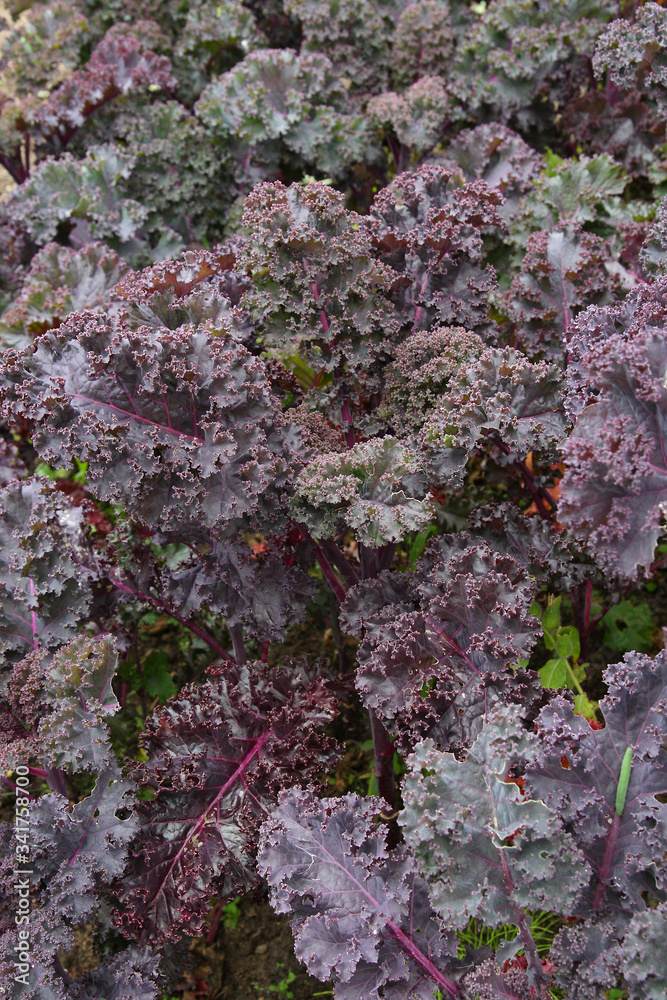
{"x":40,"y":45}
{"x":584,"y":953}
{"x":130,"y":975}
{"x":199,"y":288}
{"x":254,"y":589}
{"x":64,"y":699}
{"x":360,"y":913}
{"x":518,"y":51}
{"x":375,"y":487}
{"x":60,"y":281}
{"x":276,"y":95}
{"x":86,"y":194}
{"x":77,"y":853}
{"x":436,"y":646}
{"x":76,"y":846}
{"x":632,"y":54}
{"x":604,"y":782}
{"x":487,"y":982}
{"x":43,"y":582}
{"x":78,"y":688}
{"x":217,"y":758}
{"x":319,"y":290}
{"x":488,"y":850}
{"x":562,"y":273}
{"x":585,"y":192}
{"x":429,"y":227}
{"x":177,"y":425}
{"x":418,"y":116}
{"x":212,"y":39}
{"x":422,"y":43}
{"x":653,"y":254}
{"x":265,"y":96}
{"x":190,"y":200}
{"x":354,"y":34}
{"x":425,"y":366}
{"x":641,"y":958}
{"x":503,"y":399}
{"x":535,"y":543}
{"x":119,"y":64}
{"x":603,"y":953}
{"x":615,"y":485}
{"x":495,"y":154}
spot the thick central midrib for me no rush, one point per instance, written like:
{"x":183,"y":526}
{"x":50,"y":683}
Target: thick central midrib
{"x":135,"y":416}
{"x":196,"y":827}
{"x":407,"y":943}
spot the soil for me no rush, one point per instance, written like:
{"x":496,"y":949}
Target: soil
{"x":251,"y":961}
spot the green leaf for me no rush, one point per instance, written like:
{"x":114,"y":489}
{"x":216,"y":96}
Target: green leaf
{"x":551,"y":617}
{"x":80,"y":475}
{"x":231,"y":913}
{"x":623,"y":781}
{"x":554,"y":673}
{"x":628,"y":627}
{"x":307,"y":377}
{"x":127,"y":672}
{"x":419,"y":544}
{"x":579,"y":672}
{"x":551,"y":161}
{"x":567,"y":642}
{"x":43,"y":469}
{"x":584,"y":706}
{"x":157,"y":679}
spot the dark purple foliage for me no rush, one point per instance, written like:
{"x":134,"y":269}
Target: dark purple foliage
{"x":335,"y":328}
{"x":579,"y":774}
{"x":360,"y":914}
{"x":217,"y":758}
{"x":436,"y":646}
{"x":615,"y":457}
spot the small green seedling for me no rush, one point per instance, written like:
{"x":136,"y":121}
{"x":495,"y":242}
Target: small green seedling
{"x":564,"y":669}
{"x":283,"y":987}
{"x":230,"y":914}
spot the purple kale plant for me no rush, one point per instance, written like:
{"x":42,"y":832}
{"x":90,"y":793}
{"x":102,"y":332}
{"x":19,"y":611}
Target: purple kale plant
{"x":333,"y":407}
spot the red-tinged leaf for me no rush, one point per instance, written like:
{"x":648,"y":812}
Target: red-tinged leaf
{"x":436,"y":645}
{"x":177,"y":425}
{"x":60,"y":281}
{"x":615,"y":484}
{"x":562,"y":273}
{"x":360,"y":913}
{"x":43,"y":584}
{"x":432,"y":224}
{"x":622,"y":849}
{"x":119,"y":64}
{"x":218,"y":756}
